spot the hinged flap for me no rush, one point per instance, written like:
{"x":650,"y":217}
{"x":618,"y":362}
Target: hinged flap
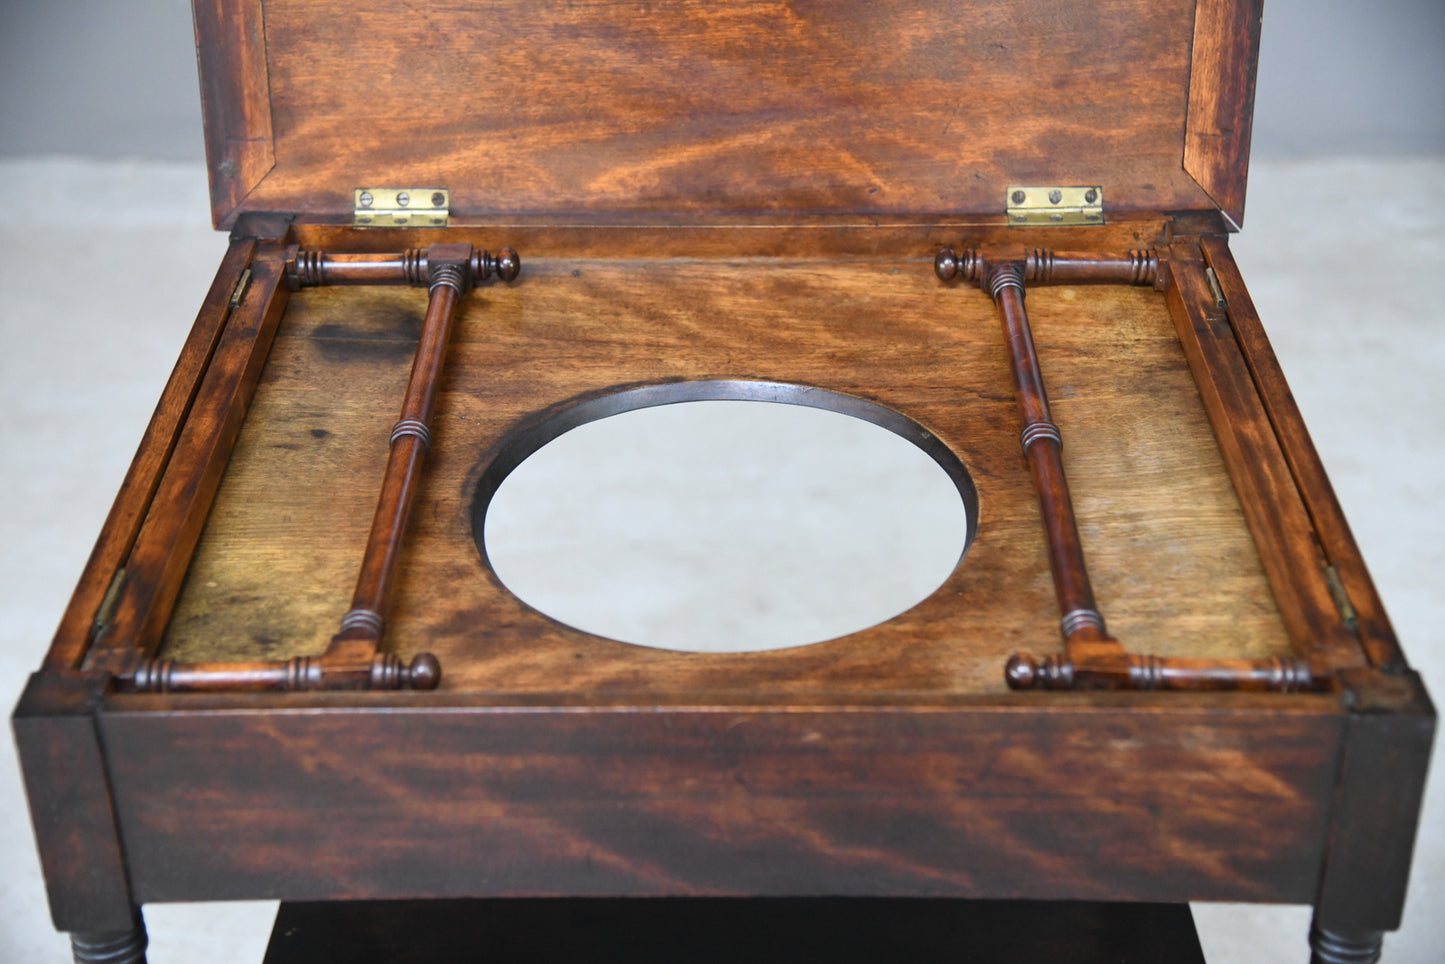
{"x":692,"y":110}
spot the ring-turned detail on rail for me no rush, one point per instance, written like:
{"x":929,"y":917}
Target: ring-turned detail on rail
{"x":1092,"y":659}
{"x":354,"y":659}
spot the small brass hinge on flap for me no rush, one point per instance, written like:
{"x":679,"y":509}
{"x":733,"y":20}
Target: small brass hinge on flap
{"x":415,"y":207}
{"x":108,"y":603}
{"x":1055,"y":205}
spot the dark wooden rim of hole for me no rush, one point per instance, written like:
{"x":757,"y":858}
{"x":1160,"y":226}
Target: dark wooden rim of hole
{"x":542,"y":427}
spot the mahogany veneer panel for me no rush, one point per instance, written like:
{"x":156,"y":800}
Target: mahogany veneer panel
{"x":1174,"y":565}
{"x":674,"y":109}
{"x":1097,"y":797}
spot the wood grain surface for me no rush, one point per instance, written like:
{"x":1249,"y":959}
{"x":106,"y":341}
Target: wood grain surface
{"x":1098,"y":797}
{"x":679,"y":110}
{"x":1173,"y":563}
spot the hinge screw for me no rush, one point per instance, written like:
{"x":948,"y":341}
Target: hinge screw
{"x":1055,"y":196}
{"x":403,"y":199}
{"x":1090,"y":196}
{"x":366,"y":199}
{"x":438,"y":199}
{"x":1020,"y":197}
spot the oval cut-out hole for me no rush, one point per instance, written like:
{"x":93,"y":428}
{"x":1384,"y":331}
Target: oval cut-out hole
{"x":727,"y":526}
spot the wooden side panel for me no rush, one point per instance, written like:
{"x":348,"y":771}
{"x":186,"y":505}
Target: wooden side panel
{"x":1221,"y":99}
{"x":235,"y":100}
{"x":70,"y":804}
{"x":1129,"y":801}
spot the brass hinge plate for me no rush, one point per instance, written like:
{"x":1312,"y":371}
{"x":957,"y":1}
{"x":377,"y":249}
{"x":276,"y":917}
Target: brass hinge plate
{"x":401,"y":207}
{"x":108,"y":603}
{"x":1054,"y":205}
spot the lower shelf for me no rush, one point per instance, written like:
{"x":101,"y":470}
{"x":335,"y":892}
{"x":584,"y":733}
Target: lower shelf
{"x":758,"y":930}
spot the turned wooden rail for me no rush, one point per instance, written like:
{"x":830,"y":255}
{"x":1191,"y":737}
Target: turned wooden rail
{"x":353,"y":660}
{"x":1092,"y":659}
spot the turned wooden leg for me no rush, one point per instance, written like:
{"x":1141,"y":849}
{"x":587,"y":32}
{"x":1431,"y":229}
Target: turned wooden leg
{"x":1355,"y":947}
{"x":111,"y":947}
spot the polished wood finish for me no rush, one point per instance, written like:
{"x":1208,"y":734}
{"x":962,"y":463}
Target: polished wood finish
{"x":526,"y":354}
{"x":713,"y":931}
{"x":236,"y":100}
{"x":1221,"y":99}
{"x":1087,"y":796}
{"x":606,"y":110}
{"x":152,"y":457}
{"x":1385,"y":754}
{"x":63,"y":762}
{"x":1094,"y":658}
{"x":732,"y":201}
{"x":870,"y":702}
{"x":161,"y":552}
{"x":353,"y":660}
{"x":1336,"y":542}
{"x":1042,"y":445}
{"x":1289,"y":548}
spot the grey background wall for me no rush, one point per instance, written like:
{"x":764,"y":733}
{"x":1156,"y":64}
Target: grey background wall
{"x":118,"y":79}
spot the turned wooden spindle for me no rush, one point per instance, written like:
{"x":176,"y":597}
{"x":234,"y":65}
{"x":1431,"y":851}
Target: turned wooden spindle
{"x":1044,"y":267}
{"x":353,"y":659}
{"x":1280,"y":674}
{"x":1080,"y":619}
{"x":305,"y":269}
{"x":386,"y":671}
{"x":449,"y":277}
{"x":1092,"y":659}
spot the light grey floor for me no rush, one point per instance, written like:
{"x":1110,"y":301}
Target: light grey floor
{"x":1343,"y":259}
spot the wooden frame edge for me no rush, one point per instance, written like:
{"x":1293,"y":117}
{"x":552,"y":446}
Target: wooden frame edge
{"x":1336,"y":540}
{"x":1221,"y":100}
{"x":235,"y":100}
{"x":1283,"y":530}
{"x":148,"y":466}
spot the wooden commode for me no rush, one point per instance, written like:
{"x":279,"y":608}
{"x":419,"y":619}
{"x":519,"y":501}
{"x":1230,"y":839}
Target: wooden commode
{"x":998,"y":229}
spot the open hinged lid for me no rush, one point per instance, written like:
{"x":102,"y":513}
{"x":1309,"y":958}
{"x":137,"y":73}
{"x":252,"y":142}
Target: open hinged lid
{"x":687,"y":110}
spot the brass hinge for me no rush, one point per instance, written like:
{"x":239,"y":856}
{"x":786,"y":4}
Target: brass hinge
{"x":239,"y":291}
{"x":1336,"y":586}
{"x":1215,"y":289}
{"x":108,"y":602}
{"x":1054,"y":205}
{"x":410,"y":207}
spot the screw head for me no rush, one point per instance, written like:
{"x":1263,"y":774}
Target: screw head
{"x":438,"y":199}
{"x":1090,"y":196}
{"x":366,"y":199}
{"x":1055,"y":196}
{"x":403,"y":199}
{"x":1019,"y":197}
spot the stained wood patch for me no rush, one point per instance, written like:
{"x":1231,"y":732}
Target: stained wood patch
{"x":1175,"y":569}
